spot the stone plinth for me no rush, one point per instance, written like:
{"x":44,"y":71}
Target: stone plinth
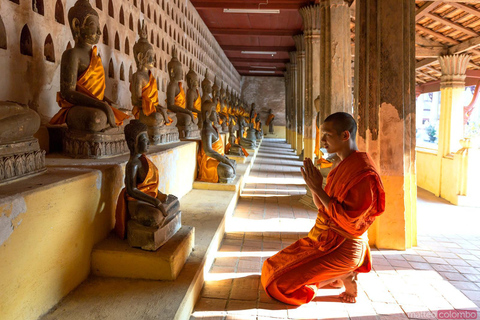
{"x":79,"y":144}
{"x":115,"y":258}
{"x":230,"y":186}
{"x":163,"y":135}
{"x":21,"y":159}
{"x":152,"y":238}
{"x":188,"y":132}
{"x":238,"y":159}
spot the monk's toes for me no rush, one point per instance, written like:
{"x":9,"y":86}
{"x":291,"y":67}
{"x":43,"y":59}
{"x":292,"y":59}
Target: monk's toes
{"x":348,"y":298}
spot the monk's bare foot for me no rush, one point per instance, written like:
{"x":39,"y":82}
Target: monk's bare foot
{"x":350,"y":282}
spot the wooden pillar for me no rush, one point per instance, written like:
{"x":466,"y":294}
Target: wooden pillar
{"x":294,"y":92}
{"x":385,"y":110}
{"x":288,"y":104}
{"x":311,"y":27}
{"x":300,"y":45}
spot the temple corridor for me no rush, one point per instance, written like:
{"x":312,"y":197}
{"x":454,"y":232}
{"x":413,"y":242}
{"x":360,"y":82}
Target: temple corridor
{"x":442,"y":273}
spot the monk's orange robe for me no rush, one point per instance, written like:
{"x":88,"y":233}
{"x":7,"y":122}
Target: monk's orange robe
{"x":338,"y":243}
{"x":149,"y":99}
{"x":317,"y":141}
{"x":270,"y":119}
{"x":197,"y":105}
{"x":207,"y":166}
{"x":148,"y":186}
{"x":92,"y":84}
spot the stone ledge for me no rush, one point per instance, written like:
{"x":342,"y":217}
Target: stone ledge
{"x":115,"y":258}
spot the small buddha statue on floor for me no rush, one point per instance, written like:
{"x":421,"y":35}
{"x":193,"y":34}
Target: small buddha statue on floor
{"x":144,"y":90}
{"x":84,"y":107}
{"x":194,"y":100}
{"x":269,"y":121}
{"x":145,"y":215}
{"x":20,"y":153}
{"x":176,"y":100}
{"x":213,"y":165}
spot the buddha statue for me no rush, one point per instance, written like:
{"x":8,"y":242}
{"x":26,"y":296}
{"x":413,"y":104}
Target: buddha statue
{"x":20,"y":153}
{"x":269,"y":121}
{"x":258,"y":128}
{"x":92,"y":120}
{"x":176,"y":100}
{"x":251,"y":131}
{"x":213,"y":165}
{"x":241,"y":133}
{"x":216,"y":99}
{"x":233,"y":148}
{"x":222,"y":104}
{"x":194,"y":100}
{"x":144,"y":90}
{"x":145,"y":215}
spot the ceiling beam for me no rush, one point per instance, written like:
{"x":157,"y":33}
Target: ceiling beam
{"x":426,"y":8}
{"x":425,"y":62}
{"x":425,"y":42}
{"x":436,"y":34}
{"x":244,"y":68}
{"x":465,"y":8}
{"x":259,"y":48}
{"x":428,"y":52}
{"x":236,"y":4}
{"x":276,"y":61}
{"x":464,"y":46}
{"x":253,"y":32}
{"x":427,"y":75}
{"x":452,"y":24}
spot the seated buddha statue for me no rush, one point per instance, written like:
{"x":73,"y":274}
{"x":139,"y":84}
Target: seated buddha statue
{"x":82,"y":100}
{"x":194,"y":100}
{"x":233,"y":148}
{"x":216,"y":99}
{"x":258,"y":128}
{"x":176,"y":100}
{"x":241,"y":133}
{"x":213,"y":165}
{"x":144,"y":92}
{"x":251,"y":131}
{"x":269,"y":121}
{"x":142,"y":209}
{"x":222,"y":104}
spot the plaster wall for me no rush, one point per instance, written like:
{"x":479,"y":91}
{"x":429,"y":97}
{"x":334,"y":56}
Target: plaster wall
{"x":428,"y":171}
{"x":266,"y":93}
{"x":33,"y":80}
{"x":50,"y":223}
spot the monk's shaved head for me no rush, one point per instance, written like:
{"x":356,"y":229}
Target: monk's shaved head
{"x":343,"y":121}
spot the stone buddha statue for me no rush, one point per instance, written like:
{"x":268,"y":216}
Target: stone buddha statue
{"x":258,"y":128}
{"x":233,"y":148}
{"x":176,"y":100}
{"x":213,"y":165}
{"x":90,"y":116}
{"x":216,"y":99}
{"x":220,"y":109}
{"x":194,"y":100}
{"x":144,"y":90}
{"x":242,"y":134}
{"x":251,"y":131}
{"x":20,"y":153}
{"x":145,"y":215}
{"x":269,"y":121}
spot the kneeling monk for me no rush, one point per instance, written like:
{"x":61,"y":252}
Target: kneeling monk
{"x":337,"y":246}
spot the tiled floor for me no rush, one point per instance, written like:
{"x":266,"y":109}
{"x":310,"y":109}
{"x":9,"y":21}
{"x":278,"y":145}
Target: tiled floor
{"x":442,"y":273}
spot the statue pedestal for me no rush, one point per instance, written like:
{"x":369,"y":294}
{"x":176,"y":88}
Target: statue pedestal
{"x":152,"y":238}
{"x":21,"y":159}
{"x":79,"y":144}
{"x":238,"y":159}
{"x":163,"y":135}
{"x":115,"y":258}
{"x":188,"y":132}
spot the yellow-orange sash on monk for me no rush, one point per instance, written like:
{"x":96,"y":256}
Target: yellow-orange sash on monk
{"x":207,"y":166}
{"x":197,"y":105}
{"x":331,"y":230}
{"x":90,"y":83}
{"x":270,"y":119}
{"x":148,"y":186}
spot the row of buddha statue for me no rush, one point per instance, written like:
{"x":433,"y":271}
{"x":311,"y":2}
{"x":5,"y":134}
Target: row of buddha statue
{"x":93,"y":127}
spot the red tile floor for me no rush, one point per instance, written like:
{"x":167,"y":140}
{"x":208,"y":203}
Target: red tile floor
{"x":442,"y":273}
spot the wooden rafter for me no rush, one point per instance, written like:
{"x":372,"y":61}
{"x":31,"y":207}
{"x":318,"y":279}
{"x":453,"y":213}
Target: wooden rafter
{"x":451,"y":24}
{"x":426,"y":8}
{"x":436,"y":34}
{"x":466,"y":8}
{"x":427,"y":75}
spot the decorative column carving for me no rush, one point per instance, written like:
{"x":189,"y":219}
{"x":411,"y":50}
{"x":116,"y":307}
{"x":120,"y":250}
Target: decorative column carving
{"x":294,"y":91}
{"x":300,"y":45}
{"x":335,"y":58}
{"x":311,"y":27}
{"x":452,"y":86}
{"x":385,"y":110}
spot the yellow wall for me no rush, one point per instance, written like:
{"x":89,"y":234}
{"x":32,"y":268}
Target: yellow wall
{"x":428,"y":171}
{"x":280,"y":132}
{"x":49,"y":224}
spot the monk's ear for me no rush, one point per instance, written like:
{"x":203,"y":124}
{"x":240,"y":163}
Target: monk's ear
{"x":346,"y":135}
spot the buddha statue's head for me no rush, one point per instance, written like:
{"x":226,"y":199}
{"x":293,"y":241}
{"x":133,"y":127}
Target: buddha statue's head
{"x":175,"y":67}
{"x":215,"y":88}
{"x":222,"y":92}
{"x":137,"y":137}
{"x":191,"y":77}
{"x":252,"y":106}
{"x":209,"y":112}
{"x":206,"y":85}
{"x":84,"y":23}
{"x":143,"y":50}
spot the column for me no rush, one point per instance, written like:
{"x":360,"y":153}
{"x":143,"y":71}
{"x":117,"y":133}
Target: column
{"x":335,"y":58}
{"x":452,"y":86}
{"x":311,"y":27}
{"x":294,"y":90}
{"x":287,"y":103}
{"x":385,"y":110}
{"x":300,"y":45}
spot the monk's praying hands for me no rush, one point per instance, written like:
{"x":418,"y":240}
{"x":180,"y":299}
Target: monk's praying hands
{"x":312,"y":176}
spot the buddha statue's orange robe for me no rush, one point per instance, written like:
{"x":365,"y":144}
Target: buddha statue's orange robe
{"x":218,"y":109}
{"x":237,"y":141}
{"x":338,"y":243}
{"x":149,"y":99}
{"x":90,"y":83}
{"x":197,"y":105}
{"x":148,"y":186}
{"x":270,"y":119}
{"x":207,"y":166}
{"x":180,"y":98}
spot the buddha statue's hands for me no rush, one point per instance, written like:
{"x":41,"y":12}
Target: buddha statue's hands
{"x":231,"y":163}
{"x":192,"y":116}
{"x":110,"y":115}
{"x":159,"y":206}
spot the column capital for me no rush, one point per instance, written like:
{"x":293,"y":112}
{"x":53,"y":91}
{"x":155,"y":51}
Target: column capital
{"x":454,"y":68}
{"x":299,"y":43}
{"x":293,"y":58}
{"x":335,"y":3}
{"x":311,"y":19}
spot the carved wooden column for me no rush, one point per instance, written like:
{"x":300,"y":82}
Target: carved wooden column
{"x":294,"y":91}
{"x":300,"y":45}
{"x":311,"y":27}
{"x":452,"y":86}
{"x":287,"y":103}
{"x":335,"y":58}
{"x":385,"y":110}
